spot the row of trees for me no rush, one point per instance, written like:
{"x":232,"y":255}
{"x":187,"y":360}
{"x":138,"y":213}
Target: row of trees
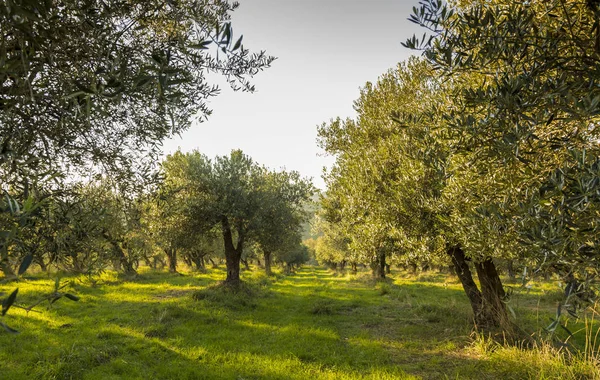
{"x":483,"y":150}
{"x":201,"y":210}
{"x":249,"y":205}
{"x":94,"y":87}
{"x":88,"y":91}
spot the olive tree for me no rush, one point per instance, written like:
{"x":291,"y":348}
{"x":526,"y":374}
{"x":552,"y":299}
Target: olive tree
{"x":237,"y":195}
{"x":526,"y":117}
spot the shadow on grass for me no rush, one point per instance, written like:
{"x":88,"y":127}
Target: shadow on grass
{"x":301,"y":326}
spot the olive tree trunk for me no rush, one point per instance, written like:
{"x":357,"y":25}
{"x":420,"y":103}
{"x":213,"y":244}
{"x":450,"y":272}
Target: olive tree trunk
{"x":379,"y":265}
{"x":267,"y":260}
{"x":233,"y":254}
{"x":492,"y":291}
{"x":172,"y":259}
{"x":461,"y":267}
{"x":488,"y":307}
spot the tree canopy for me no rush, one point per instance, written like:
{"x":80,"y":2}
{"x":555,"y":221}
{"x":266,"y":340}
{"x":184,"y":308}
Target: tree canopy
{"x":249,"y":203}
{"x":104,"y":83}
{"x":484,"y":150}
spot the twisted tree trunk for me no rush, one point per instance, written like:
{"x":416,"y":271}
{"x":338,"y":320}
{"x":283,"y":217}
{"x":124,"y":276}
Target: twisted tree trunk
{"x":233,"y":254}
{"x":488,"y":307}
{"x":172,"y":258}
{"x":492,"y":291}
{"x":461,"y":267}
{"x":267,"y":260}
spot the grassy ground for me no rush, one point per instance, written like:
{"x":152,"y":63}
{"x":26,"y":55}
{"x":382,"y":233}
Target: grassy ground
{"x":313,"y":324}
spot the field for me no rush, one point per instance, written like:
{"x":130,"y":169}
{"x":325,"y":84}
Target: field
{"x":310,"y":325}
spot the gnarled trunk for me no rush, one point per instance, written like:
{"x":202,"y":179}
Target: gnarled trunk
{"x":382,"y":265}
{"x":40,"y":261}
{"x":461,"y":267}
{"x":378,"y":266}
{"x":172,"y":259}
{"x":232,"y":262}
{"x":245,"y":262}
{"x":493,"y":294}
{"x":267,"y":259}
{"x":122,"y":260}
{"x":233,"y":254}
{"x":487,"y":304}
{"x":198,"y":261}
{"x":412,"y":268}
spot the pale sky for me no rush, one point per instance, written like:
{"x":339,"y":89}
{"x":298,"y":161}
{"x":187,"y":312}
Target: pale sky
{"x":326,"y":50}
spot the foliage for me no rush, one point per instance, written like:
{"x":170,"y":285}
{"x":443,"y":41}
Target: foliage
{"x":484,"y":150}
{"x":283,"y":214}
{"x":385,"y":190}
{"x":106,"y":82}
{"x":246,"y":201}
{"x":94,"y":87}
{"x":524,"y":116}
{"x":294,"y":257}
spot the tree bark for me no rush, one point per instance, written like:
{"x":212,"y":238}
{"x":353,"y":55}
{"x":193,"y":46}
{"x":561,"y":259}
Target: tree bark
{"x":463,"y":272}
{"x":197,"y":258}
{"x":492,"y":292}
{"x":40,"y":261}
{"x":510,"y":270}
{"x":172,"y":258}
{"x":125,"y":264}
{"x":232,"y":263}
{"x":121,"y":262}
{"x":354,"y":268}
{"x":233,"y":254}
{"x":245,"y":262}
{"x":158,"y":261}
{"x":267,"y":260}
{"x":378,"y":266}
{"x":187,"y":260}
{"x":413,"y":268}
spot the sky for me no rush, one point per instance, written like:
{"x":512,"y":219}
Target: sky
{"x":326,"y":51}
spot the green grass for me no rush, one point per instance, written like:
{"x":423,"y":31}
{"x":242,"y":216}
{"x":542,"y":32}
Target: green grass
{"x":311,"y":325}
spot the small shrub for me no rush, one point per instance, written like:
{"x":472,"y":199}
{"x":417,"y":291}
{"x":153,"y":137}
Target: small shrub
{"x":383,"y":289}
{"x":226,"y":296}
{"x":322,"y":307}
